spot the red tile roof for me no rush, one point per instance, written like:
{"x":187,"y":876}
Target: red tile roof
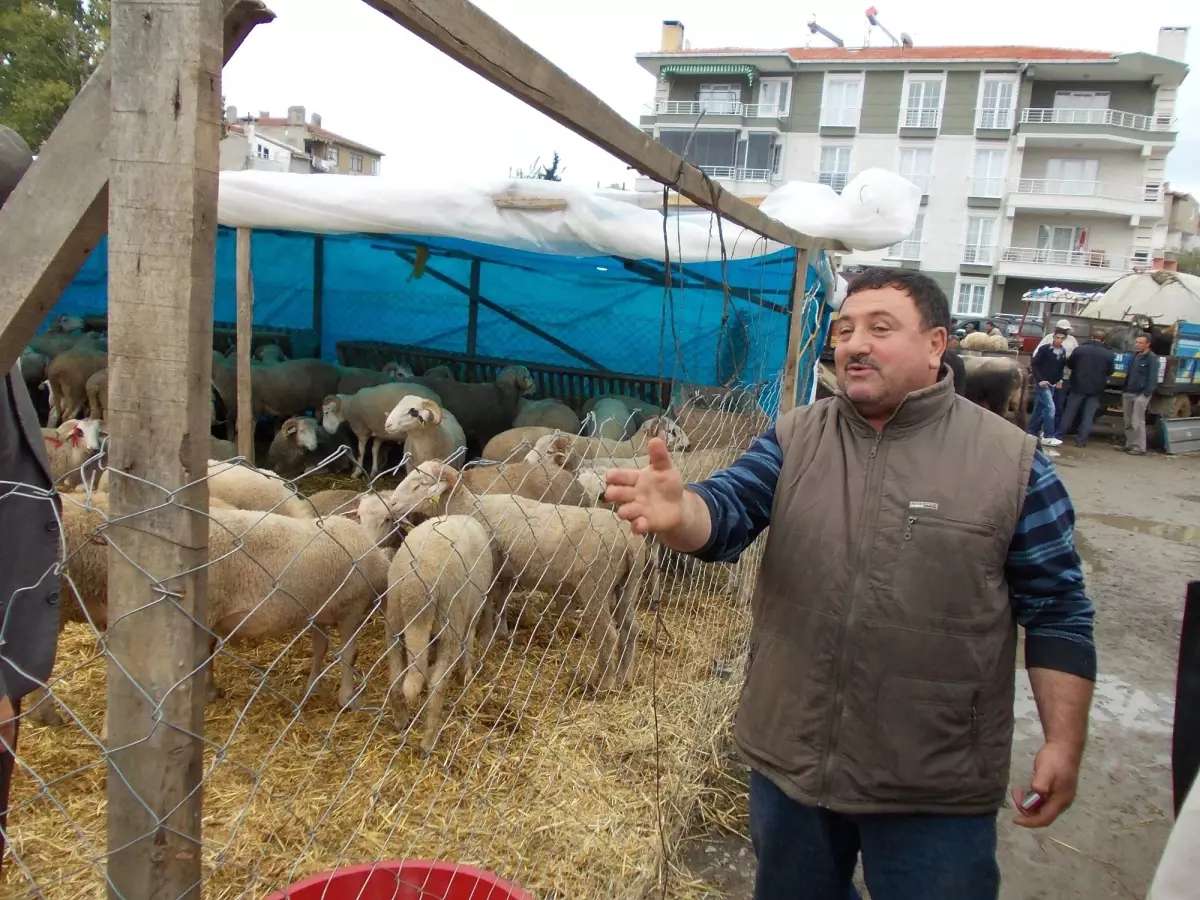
{"x":904,"y":54}
{"x":317,"y":132}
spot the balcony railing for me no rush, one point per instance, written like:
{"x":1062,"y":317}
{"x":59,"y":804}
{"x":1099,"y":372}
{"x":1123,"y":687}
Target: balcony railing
{"x":1114,"y":117}
{"x":719,"y":108}
{"x":921,"y":118}
{"x":836,"y":180}
{"x":1151,"y":192}
{"x":738,"y":173}
{"x":987,"y":187}
{"x":840,"y":116}
{"x":905,"y":250}
{"x":979,"y":255}
{"x":1095,"y":259}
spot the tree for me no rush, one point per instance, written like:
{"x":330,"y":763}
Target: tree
{"x":1189,"y":262}
{"x":48,"y":49}
{"x":538,"y":172}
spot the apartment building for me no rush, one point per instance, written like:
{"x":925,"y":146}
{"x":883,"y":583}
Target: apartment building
{"x":1179,"y":230}
{"x":292,"y":144}
{"x":1040,"y":166}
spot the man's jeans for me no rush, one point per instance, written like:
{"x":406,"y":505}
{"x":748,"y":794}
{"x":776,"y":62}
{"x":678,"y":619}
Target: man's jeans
{"x":807,"y":853}
{"x":1090,"y":403}
{"x":1134,"y":407}
{"x":1042,"y":418}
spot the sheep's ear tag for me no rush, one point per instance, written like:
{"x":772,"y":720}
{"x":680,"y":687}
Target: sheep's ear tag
{"x":436,"y":497}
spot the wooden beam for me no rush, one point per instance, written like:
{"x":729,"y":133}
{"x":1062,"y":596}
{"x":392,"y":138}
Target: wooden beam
{"x":164,"y":140}
{"x":245,"y":346}
{"x":473,"y":307}
{"x":500,"y":310}
{"x":465,"y":33}
{"x":791,"y":363}
{"x":59,"y":212}
{"x":318,"y":311}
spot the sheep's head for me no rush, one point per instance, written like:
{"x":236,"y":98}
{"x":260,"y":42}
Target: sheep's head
{"x":518,"y":377}
{"x":413,"y":413}
{"x":331,"y":413}
{"x":65,"y":325}
{"x":90,"y":433}
{"x":301,"y":431}
{"x":556,"y":449}
{"x":374,"y":516}
{"x":270,"y":353}
{"x":667,"y":429}
{"x":439,"y":372}
{"x":396,"y":371}
{"x":424,"y":484}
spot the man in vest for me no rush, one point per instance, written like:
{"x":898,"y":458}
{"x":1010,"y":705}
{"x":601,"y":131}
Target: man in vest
{"x":877,"y":710}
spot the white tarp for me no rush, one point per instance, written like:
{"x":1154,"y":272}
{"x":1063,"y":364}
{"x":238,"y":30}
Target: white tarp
{"x":1166,"y":297}
{"x":876,"y":209}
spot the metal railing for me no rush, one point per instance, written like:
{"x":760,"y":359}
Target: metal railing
{"x":905,"y":250}
{"x":1114,"y":117}
{"x":719,"y":108}
{"x":836,"y":180}
{"x":995,"y":118}
{"x":1150,"y":192}
{"x":921,"y":118}
{"x":979,"y":254}
{"x":840,"y":116}
{"x":738,"y":173}
{"x":1094,"y":259}
{"x":987,"y":187}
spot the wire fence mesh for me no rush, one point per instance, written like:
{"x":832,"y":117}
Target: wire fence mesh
{"x":522,"y":686}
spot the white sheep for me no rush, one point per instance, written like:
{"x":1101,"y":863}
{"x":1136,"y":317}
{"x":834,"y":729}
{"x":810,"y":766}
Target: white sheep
{"x":69,"y":447}
{"x":516,"y":443}
{"x":255,"y":489}
{"x":437,"y":589}
{"x":589,"y":557}
{"x":612,"y":420}
{"x":270,"y":354}
{"x":645,"y":407}
{"x":96,"y":389}
{"x":429,"y":432}
{"x":397,"y":371}
{"x":549,"y":413}
{"x":366,"y":413}
{"x":67,"y":375}
{"x":591,"y":447}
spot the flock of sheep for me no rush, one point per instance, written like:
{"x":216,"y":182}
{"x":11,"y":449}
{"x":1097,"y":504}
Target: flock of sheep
{"x":503,"y":495}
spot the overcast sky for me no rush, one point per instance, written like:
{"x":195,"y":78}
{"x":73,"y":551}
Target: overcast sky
{"x":373,"y":82}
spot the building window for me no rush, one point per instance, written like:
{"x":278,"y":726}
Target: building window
{"x":356,"y":162}
{"x":756,"y":156}
{"x":1063,"y":245}
{"x":987,"y":177}
{"x":715,"y":151}
{"x":841,"y":101}
{"x":719,"y":99}
{"x":776,"y":160}
{"x":971,"y":297}
{"x":835,"y":167}
{"x":910,"y":248}
{"x":997,"y":100}
{"x":1081,"y":99}
{"x":262,"y":152}
{"x":916,"y":164}
{"x":980,"y":249}
{"x":923,"y":101}
{"x":1072,"y":176}
{"x":374,"y":166}
{"x":774,"y":97}
{"x":331,"y":154}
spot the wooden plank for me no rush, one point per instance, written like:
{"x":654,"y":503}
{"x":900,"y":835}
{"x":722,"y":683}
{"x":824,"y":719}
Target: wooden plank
{"x":791,"y":363}
{"x":529,"y":204}
{"x":164,"y":137}
{"x":473,"y":307}
{"x":465,"y":33}
{"x":245,"y":346}
{"x":500,"y":310}
{"x":59,"y":212}
{"x":318,"y":314}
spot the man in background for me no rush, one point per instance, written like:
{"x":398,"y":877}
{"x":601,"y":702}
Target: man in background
{"x":1047,"y":371}
{"x":29,"y":535}
{"x":1092,"y":364}
{"x":1140,"y":382}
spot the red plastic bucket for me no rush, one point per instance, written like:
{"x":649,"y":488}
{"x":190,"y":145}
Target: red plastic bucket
{"x":405,"y":879}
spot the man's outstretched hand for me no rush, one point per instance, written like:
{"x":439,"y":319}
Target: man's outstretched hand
{"x":650,"y":499}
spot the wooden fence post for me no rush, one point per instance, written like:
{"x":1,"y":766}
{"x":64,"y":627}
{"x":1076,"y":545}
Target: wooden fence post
{"x":791,"y":364}
{"x":245,"y":341}
{"x":164,"y":133}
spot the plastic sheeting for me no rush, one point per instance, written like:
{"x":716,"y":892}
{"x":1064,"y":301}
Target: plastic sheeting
{"x":1166,"y":297}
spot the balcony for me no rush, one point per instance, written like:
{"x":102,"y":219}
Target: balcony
{"x":1144,"y":201}
{"x":978,"y":255}
{"x":733,"y":108}
{"x":921,"y":118}
{"x":1098,"y":128}
{"x":836,"y":180}
{"x":738,"y":173}
{"x":1095,"y":266}
{"x":905,"y":250}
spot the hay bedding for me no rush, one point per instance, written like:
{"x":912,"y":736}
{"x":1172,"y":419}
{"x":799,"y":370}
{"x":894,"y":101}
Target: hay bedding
{"x":530,"y":778}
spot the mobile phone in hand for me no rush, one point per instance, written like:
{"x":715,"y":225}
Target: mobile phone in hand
{"x":1032,"y":803}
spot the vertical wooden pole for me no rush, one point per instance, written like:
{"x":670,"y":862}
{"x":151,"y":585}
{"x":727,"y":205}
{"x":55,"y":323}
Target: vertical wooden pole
{"x":164,"y":133}
{"x":473,"y":307}
{"x":245,"y":345}
{"x":318,"y":316}
{"x":791,"y":365}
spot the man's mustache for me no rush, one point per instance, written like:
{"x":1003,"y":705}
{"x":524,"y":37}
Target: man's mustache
{"x":863,"y":360}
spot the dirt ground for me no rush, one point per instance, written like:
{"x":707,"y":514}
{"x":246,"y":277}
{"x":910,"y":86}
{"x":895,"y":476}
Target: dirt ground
{"x":1138,"y":533}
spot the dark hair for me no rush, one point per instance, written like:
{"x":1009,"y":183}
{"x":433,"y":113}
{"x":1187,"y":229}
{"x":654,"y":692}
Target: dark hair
{"x":1144,"y":334}
{"x":1099,"y":334}
{"x":930,"y":299}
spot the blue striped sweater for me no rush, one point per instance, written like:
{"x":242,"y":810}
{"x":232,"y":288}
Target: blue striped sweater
{"x":1045,"y":579}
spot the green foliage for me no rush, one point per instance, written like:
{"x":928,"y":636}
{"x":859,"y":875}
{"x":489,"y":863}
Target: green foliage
{"x":1190,"y":262}
{"x":48,"y":48}
{"x":538,"y":172}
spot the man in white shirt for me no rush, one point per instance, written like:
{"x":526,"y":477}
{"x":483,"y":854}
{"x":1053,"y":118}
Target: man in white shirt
{"x":1069,"y":343}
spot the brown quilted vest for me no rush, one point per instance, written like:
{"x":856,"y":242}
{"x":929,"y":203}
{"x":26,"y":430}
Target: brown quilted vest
{"x":883,"y":645}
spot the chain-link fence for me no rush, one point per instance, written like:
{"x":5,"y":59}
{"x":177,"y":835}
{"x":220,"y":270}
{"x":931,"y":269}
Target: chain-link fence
{"x":517,"y":685}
